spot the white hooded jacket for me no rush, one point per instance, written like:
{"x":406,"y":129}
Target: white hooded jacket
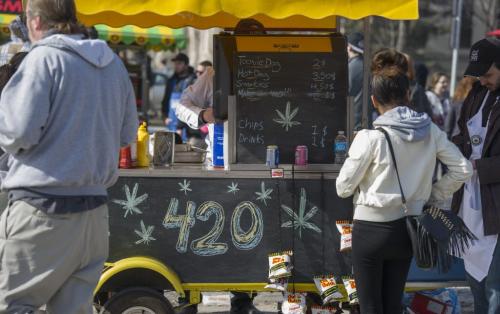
{"x":368,"y":173}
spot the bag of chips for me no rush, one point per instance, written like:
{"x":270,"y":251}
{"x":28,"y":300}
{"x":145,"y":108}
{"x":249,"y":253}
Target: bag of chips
{"x":279,"y":284}
{"x":316,"y":309}
{"x":350,"y":287}
{"x":345,"y":229}
{"x":280,"y":265}
{"x":328,"y":289}
{"x":295,"y":303}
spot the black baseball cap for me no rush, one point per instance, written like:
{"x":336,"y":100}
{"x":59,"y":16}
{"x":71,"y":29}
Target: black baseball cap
{"x":181,"y":57}
{"x":482,"y":55}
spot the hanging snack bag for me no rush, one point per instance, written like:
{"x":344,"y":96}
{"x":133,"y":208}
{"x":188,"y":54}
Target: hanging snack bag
{"x":345,"y":229}
{"x":295,"y":303}
{"x":350,"y":287}
{"x":316,"y":309}
{"x":328,"y":289}
{"x":280,"y":265}
{"x":279,"y":284}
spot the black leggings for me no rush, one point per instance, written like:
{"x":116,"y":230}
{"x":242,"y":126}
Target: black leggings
{"x":381,"y":256}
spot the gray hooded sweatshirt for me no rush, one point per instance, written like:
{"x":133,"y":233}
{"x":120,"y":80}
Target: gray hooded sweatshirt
{"x":64,"y":116}
{"x":409,"y":125}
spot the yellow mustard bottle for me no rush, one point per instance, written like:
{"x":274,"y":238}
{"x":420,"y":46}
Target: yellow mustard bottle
{"x":142,"y":146}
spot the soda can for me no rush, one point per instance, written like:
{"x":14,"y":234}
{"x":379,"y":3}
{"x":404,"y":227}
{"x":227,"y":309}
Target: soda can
{"x":301,"y":155}
{"x":272,"y":156}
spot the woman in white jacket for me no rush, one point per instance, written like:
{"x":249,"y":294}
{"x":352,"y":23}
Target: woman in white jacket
{"x":381,"y":248}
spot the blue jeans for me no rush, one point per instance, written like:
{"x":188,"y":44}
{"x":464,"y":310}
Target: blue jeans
{"x":487,"y":292}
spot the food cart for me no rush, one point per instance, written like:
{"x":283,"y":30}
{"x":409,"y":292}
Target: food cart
{"x":189,"y":229}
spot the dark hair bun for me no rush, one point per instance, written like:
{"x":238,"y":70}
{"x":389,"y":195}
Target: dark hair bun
{"x":389,"y":71}
{"x":390,"y":86}
{"x":387,"y":57}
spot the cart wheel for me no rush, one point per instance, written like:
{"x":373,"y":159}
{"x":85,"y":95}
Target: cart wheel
{"x":137,"y":301}
{"x":190,"y":309}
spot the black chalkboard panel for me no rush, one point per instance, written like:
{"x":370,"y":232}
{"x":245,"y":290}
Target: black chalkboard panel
{"x":287,"y":94}
{"x":231,"y":226}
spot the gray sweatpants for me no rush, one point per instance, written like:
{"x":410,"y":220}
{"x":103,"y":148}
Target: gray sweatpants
{"x":52,"y":260}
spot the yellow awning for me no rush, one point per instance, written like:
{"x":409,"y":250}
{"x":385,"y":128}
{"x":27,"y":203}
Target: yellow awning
{"x":204,"y":14}
{"x":154,"y":37}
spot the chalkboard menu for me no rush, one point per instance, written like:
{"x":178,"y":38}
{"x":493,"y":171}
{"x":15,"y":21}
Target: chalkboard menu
{"x":290,"y":91}
{"x":222,"y":230}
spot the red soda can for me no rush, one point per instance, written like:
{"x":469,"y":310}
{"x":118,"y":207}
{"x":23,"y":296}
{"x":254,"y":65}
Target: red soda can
{"x":301,"y":155}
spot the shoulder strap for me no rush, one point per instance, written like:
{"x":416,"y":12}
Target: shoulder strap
{"x":391,"y":149}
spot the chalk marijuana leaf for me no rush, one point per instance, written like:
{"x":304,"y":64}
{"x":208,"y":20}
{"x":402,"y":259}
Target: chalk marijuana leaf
{"x":264,"y":193}
{"x":233,"y":188}
{"x":145,"y":234}
{"x":132,"y":201}
{"x":286,"y":120}
{"x":301,"y":221}
{"x":185,"y":187}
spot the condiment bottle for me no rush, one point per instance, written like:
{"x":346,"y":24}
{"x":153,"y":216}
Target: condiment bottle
{"x":142,"y":146}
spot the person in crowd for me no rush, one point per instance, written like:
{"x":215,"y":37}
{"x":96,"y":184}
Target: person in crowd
{"x":197,"y":135}
{"x":478,"y":202}
{"x":463,"y":88}
{"x":381,"y":247}
{"x":19,"y":40}
{"x":202,"y":67}
{"x":92,"y":32}
{"x":183,"y":77}
{"x":195,"y":108}
{"x":438,"y":95}
{"x":355,"y":67}
{"x":14,"y":52}
{"x":418,"y":98}
{"x":64,"y":115}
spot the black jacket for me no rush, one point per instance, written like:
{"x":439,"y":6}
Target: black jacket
{"x":488,"y":167}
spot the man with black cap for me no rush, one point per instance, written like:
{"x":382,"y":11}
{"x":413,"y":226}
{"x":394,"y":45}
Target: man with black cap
{"x":355,"y":54}
{"x":478,"y":202}
{"x":183,"y":77}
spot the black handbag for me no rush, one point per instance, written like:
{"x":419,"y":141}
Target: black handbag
{"x":436,"y":235}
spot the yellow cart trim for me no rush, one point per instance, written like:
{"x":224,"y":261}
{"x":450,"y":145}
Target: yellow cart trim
{"x":113,"y":269}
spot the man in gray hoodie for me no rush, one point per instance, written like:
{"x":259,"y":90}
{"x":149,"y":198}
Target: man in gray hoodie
{"x":63,"y":117}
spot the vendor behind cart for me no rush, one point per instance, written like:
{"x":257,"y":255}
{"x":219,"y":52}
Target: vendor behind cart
{"x":196,"y":110}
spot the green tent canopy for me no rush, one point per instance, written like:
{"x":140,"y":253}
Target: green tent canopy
{"x":158,"y":37}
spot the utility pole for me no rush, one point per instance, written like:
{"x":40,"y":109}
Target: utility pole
{"x":455,"y":42}
{"x":367,"y":21}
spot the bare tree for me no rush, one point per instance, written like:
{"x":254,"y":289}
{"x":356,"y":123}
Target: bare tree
{"x":486,"y":11}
